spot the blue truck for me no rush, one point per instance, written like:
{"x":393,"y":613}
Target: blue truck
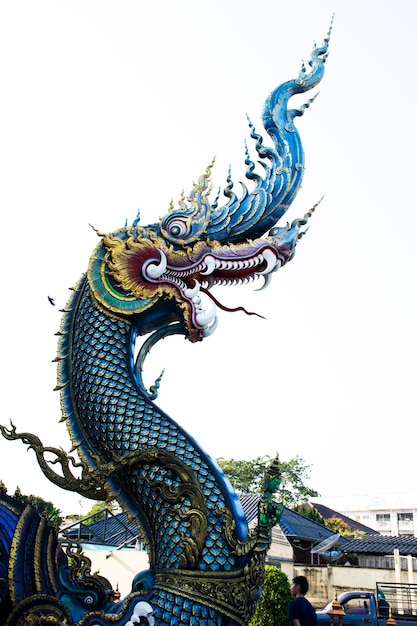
{"x":373,"y":608}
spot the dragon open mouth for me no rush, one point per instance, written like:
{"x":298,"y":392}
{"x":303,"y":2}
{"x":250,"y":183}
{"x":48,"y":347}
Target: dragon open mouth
{"x":217,"y":267}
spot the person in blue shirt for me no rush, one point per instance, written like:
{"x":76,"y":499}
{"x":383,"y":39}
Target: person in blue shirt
{"x":300,"y":611}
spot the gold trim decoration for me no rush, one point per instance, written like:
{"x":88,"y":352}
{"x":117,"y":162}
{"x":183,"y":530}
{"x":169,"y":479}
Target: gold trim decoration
{"x":233,"y":593}
{"x":188,"y":488}
{"x":40,"y":610}
{"x":90,"y":485}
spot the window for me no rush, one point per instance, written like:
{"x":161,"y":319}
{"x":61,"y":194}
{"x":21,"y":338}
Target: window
{"x":405,"y":517}
{"x":383,"y":517}
{"x":356,"y":606}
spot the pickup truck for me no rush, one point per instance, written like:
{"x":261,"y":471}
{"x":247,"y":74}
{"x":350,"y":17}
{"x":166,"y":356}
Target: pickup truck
{"x":368,"y":608}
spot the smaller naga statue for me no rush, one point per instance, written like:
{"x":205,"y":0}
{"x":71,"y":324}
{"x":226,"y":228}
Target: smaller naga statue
{"x":269,"y":511}
{"x":150,"y":282}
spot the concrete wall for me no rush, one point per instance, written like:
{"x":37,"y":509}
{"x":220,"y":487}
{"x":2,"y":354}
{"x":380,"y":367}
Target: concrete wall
{"x":327,"y":580}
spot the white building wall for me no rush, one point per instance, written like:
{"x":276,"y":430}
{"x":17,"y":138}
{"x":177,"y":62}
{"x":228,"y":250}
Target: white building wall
{"x":390,"y":514}
{"x":118,"y":566}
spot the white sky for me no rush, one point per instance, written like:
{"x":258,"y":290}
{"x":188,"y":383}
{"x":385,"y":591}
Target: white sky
{"x":107,"y":107}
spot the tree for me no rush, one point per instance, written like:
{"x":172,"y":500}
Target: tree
{"x":272,"y":607}
{"x":338,"y":525}
{"x":308,"y":510}
{"x":247,"y":477}
{"x":44,"y":507}
{"x":96,"y":511}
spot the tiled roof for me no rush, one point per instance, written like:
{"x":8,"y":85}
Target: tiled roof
{"x":381,"y":545}
{"x":113,"y":530}
{"x":295,"y":525}
{"x":328,"y":513}
{"x":249,"y":502}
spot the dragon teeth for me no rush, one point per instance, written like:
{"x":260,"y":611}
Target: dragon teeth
{"x":210,"y":263}
{"x":192,"y":292}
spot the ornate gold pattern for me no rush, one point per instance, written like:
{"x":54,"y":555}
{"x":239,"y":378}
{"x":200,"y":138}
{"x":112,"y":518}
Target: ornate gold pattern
{"x":233,"y":593}
{"x":40,"y":610}
{"x":188,"y":488}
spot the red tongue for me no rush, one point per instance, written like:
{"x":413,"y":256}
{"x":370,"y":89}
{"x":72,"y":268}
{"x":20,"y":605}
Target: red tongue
{"x":225,"y":308}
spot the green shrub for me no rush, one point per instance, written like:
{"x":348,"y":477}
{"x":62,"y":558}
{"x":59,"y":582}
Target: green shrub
{"x":272,"y":607}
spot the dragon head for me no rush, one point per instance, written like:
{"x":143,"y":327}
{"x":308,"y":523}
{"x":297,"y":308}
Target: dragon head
{"x":140,"y":271}
{"x":165,"y":271}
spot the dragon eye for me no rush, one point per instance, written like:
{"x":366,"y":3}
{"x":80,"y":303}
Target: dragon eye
{"x":177,"y":228}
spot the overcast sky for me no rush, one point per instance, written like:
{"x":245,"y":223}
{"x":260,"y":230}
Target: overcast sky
{"x":108,"y":107}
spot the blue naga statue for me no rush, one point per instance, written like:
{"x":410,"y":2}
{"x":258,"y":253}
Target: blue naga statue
{"x":206,"y":567}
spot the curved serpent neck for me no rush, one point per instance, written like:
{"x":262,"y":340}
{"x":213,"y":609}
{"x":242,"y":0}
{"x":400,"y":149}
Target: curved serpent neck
{"x":107,"y":416}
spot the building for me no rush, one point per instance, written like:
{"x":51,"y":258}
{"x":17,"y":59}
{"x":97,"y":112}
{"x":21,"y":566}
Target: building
{"x":328,"y":513}
{"x":386,"y":552}
{"x":392,"y":514}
